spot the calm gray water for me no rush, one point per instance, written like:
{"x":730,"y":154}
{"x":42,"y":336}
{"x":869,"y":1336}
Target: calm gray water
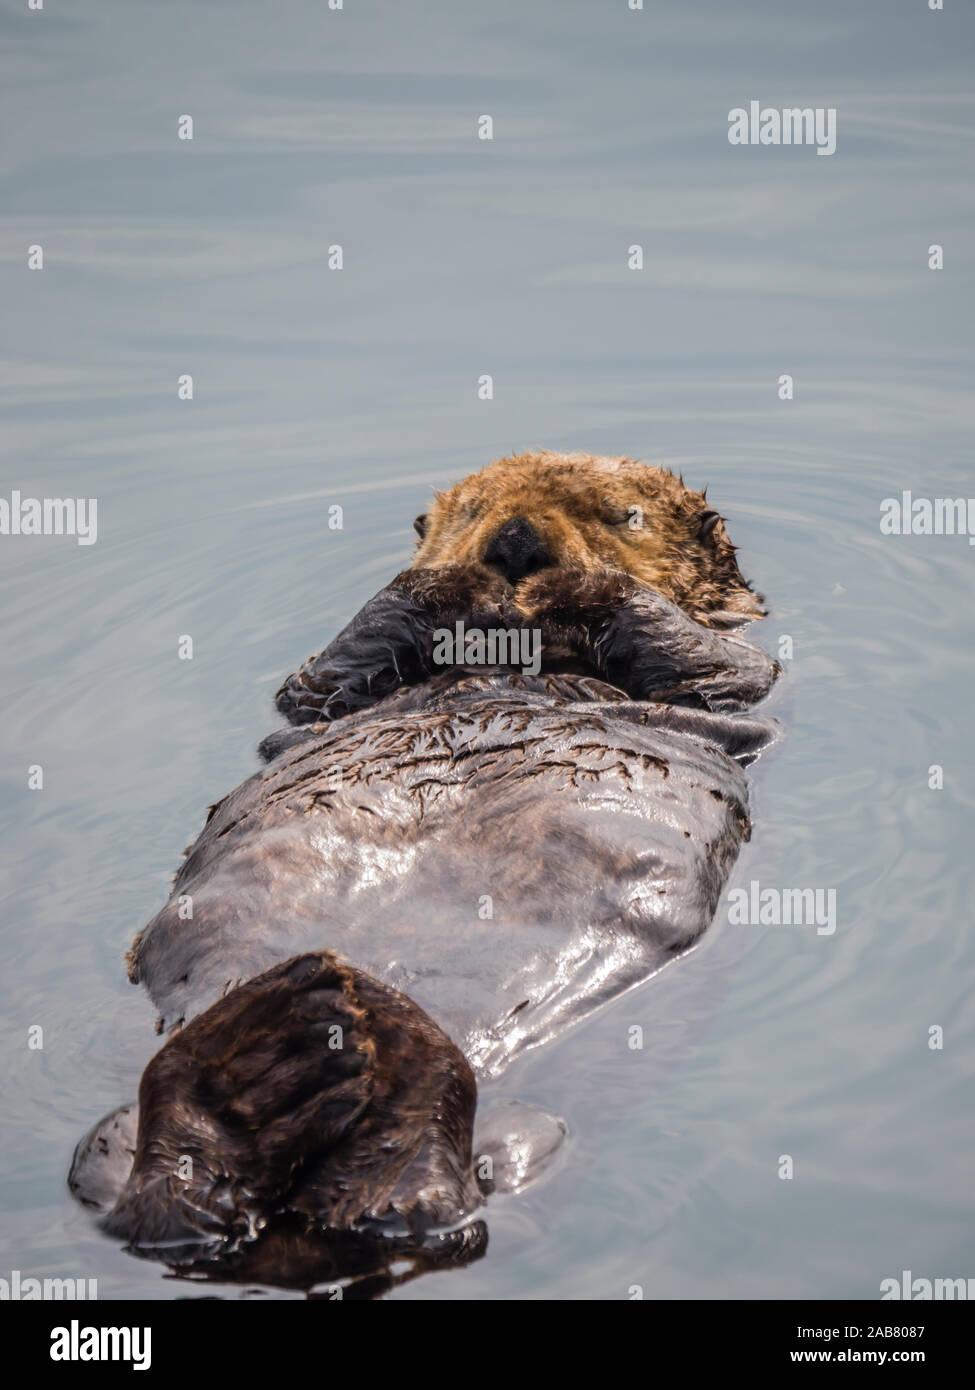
{"x":315,"y":387}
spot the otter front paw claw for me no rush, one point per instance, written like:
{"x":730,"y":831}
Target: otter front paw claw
{"x":322,"y":693}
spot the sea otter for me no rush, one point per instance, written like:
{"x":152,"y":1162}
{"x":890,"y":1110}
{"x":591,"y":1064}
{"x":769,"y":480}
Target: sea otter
{"x":438,"y":867}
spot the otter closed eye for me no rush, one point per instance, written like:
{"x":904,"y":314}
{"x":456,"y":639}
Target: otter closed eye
{"x":615,"y":516}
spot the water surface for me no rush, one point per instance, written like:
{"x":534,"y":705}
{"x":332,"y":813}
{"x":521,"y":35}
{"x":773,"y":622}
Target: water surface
{"x":315,"y":387}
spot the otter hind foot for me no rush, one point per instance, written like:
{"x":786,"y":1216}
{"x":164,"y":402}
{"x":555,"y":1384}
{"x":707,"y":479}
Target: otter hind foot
{"x":310,"y":1090}
{"x":102,"y":1160}
{"x":271,"y":1074}
{"x":515,"y":1145}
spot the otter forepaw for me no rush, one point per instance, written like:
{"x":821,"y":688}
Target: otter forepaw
{"x":571,"y":597}
{"x":388,"y":644}
{"x":473,"y":594}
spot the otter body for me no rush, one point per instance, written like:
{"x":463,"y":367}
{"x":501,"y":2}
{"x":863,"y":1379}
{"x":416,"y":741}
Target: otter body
{"x":441,"y":868}
{"x":507,"y":857}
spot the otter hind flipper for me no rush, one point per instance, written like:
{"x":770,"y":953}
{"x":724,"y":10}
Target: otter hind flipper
{"x":515,"y":1145}
{"x":229,"y":1103}
{"x":102,"y":1160}
{"x":308,"y":1090}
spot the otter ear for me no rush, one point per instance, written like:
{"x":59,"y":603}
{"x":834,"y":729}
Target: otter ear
{"x":707,"y":521}
{"x":420,"y":525}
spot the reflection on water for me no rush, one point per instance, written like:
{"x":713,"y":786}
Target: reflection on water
{"x":314,"y":387}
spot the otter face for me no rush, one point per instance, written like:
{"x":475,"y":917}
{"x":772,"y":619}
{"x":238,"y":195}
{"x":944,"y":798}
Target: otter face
{"x":533,"y":512}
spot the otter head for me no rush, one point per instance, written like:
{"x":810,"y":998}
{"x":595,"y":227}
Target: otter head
{"x":533,"y":512}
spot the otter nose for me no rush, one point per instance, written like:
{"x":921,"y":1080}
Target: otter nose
{"x":517,"y":550}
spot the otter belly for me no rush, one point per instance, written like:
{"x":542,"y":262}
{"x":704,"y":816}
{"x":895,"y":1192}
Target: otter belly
{"x":509,"y":860}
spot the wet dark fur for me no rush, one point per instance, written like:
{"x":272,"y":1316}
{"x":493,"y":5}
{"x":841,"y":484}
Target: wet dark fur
{"x":326,"y":1117}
